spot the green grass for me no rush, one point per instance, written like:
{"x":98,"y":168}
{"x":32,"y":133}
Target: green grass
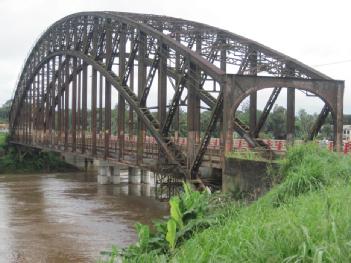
{"x":304,"y":218}
{"x":246,"y":155}
{"x":315,"y":227}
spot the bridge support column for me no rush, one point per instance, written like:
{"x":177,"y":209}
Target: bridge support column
{"x":134,"y":175}
{"x":145,"y":190}
{"x":116,"y":174}
{"x":102,"y":175}
{"x":145,"y":176}
{"x":338,"y":119}
{"x":290,"y":116}
{"x":109,"y":174}
{"x":193,"y":115}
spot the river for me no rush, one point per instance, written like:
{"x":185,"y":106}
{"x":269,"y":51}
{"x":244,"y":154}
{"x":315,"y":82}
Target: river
{"x":69,"y":217}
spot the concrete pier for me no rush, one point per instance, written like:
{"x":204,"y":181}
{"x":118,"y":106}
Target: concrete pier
{"x":108,"y":174}
{"x":145,"y":177}
{"x":102,"y":177}
{"x":116,"y":175}
{"x":134,"y":175}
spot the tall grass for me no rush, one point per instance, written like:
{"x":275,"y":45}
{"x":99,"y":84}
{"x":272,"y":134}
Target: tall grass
{"x":304,"y":219}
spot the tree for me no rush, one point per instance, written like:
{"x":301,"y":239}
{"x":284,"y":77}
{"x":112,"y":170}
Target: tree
{"x":4,"y":111}
{"x":276,"y":123}
{"x":304,"y":124}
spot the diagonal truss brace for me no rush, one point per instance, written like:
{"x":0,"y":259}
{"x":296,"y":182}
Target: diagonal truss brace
{"x":319,"y":122}
{"x":267,"y":109}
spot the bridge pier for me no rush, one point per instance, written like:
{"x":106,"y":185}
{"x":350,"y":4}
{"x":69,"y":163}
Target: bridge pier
{"x":137,"y":176}
{"x":116,"y":174}
{"x":134,"y":175}
{"x":108,"y":174}
{"x":102,"y":175}
{"x":145,"y":177}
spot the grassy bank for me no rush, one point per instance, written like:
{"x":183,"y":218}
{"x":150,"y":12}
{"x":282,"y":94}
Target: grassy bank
{"x":304,"y":218}
{"x":31,"y":161}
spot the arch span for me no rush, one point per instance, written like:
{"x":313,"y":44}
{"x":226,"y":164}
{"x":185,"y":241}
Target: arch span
{"x":81,"y":56}
{"x":329,"y":91}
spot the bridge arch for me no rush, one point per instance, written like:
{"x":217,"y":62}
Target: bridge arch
{"x":329,"y":91}
{"x":163,"y":52}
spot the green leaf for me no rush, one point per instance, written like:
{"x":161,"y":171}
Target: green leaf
{"x":187,"y":189}
{"x":143,"y":232}
{"x":176,"y":214}
{"x":171,"y":233}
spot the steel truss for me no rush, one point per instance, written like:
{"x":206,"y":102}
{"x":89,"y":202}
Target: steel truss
{"x":111,"y":45}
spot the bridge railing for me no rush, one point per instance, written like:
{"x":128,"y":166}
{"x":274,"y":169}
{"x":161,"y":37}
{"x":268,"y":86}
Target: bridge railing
{"x":150,"y":147}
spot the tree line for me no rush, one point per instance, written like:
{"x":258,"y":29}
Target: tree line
{"x":274,"y":128}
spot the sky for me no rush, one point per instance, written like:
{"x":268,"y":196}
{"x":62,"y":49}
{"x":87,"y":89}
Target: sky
{"x":314,"y":32}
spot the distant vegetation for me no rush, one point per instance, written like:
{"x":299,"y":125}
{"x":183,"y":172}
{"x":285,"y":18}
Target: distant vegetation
{"x":304,"y":218}
{"x":12,"y":160}
{"x":4,"y":112}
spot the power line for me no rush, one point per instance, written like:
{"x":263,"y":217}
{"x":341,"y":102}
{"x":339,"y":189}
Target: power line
{"x":333,"y":63}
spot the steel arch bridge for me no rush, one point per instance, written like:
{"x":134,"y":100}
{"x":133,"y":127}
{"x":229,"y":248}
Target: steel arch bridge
{"x":85,"y":61}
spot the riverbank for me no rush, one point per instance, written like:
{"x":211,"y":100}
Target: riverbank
{"x":12,"y":160}
{"x":305,"y":217}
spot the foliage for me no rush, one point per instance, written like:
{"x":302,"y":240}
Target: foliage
{"x":305,"y":218}
{"x":189,"y":214}
{"x":111,"y":256}
{"x":3,"y":141}
{"x":4,"y":111}
{"x":171,"y":233}
{"x":276,"y":122}
{"x":245,"y":154}
{"x":308,"y":168}
{"x":304,"y":123}
{"x":17,"y":161}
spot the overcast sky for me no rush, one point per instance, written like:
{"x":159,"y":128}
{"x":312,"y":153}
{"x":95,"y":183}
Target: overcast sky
{"x":314,"y":32}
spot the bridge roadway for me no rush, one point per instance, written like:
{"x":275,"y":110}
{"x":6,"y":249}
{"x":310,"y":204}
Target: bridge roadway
{"x":151,"y":153}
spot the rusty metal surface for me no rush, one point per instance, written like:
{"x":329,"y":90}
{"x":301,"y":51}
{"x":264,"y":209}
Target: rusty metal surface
{"x":67,"y":84}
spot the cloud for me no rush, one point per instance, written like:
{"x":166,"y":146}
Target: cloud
{"x":311,"y":31}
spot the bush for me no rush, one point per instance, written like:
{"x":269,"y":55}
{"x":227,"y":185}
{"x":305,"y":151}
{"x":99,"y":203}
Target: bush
{"x":15,"y":161}
{"x":309,"y":168}
{"x":190,"y":213}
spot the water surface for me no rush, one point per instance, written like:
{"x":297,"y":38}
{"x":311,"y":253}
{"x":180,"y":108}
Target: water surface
{"x":69,"y":217}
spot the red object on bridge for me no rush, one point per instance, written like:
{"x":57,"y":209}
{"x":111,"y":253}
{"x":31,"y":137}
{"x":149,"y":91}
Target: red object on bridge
{"x":269,"y":144}
{"x":347,"y":147}
{"x":279,"y":146}
{"x":330,"y":146}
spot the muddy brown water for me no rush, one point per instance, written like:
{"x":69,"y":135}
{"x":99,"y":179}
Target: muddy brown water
{"x":69,"y":217}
